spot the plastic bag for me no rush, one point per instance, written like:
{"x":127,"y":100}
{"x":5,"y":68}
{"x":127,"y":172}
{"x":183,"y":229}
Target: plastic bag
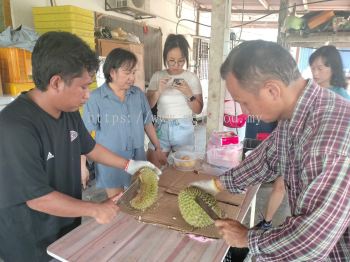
{"x":21,"y":37}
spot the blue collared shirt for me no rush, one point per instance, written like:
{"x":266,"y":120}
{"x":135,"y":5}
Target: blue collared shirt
{"x":119,"y":125}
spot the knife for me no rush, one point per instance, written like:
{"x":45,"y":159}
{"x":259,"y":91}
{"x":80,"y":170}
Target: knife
{"x":211,"y":213}
{"x":130,"y":193}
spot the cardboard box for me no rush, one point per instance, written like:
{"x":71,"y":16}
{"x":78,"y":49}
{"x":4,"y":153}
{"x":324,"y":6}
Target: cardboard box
{"x":165,"y":212}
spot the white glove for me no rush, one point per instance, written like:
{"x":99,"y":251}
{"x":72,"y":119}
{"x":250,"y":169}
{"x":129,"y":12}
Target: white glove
{"x":208,"y":186}
{"x":134,"y":165}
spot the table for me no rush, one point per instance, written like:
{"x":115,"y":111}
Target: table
{"x":126,"y":239}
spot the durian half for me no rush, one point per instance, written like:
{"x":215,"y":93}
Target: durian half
{"x":192,"y":213}
{"x":148,"y":189}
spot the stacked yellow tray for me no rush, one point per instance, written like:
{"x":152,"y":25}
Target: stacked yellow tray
{"x":66,"y":18}
{"x":16,"y":89}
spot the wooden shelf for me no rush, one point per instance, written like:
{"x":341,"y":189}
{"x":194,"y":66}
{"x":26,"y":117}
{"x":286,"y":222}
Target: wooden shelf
{"x":315,"y":40}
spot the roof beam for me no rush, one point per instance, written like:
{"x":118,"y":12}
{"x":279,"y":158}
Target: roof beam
{"x":265,"y":4}
{"x":256,"y":24}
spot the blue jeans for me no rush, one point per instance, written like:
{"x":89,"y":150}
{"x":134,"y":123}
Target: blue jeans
{"x":174,"y":133}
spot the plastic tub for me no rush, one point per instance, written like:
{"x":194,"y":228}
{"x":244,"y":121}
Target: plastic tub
{"x":222,"y":138}
{"x":184,"y":160}
{"x":224,"y":156}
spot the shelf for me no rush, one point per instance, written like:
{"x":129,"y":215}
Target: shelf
{"x":315,"y":40}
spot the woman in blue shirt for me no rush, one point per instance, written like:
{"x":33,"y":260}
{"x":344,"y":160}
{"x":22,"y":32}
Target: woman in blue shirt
{"x":327,"y":70}
{"x":120,"y":115}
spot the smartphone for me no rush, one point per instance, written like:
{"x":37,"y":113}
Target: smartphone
{"x":177,"y":81}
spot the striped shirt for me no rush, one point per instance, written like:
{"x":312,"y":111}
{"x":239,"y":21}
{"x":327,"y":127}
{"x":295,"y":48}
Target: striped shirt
{"x":312,"y":152}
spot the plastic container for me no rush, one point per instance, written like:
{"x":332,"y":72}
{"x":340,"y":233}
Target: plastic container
{"x":233,"y":121}
{"x":62,"y":9}
{"x":63,"y":16}
{"x":222,"y":138}
{"x":14,"y":89}
{"x":15,"y":65}
{"x":184,"y":160}
{"x":224,"y":156}
{"x":66,"y":18}
{"x":58,"y":25}
{"x":79,"y":32}
{"x":93,"y":85}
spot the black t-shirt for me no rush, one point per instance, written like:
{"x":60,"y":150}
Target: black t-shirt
{"x":38,"y":154}
{"x":253,"y":128}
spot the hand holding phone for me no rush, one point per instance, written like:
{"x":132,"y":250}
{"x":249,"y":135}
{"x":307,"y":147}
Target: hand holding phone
{"x":177,"y":81}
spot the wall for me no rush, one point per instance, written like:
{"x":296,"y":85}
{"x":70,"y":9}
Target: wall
{"x":165,"y":11}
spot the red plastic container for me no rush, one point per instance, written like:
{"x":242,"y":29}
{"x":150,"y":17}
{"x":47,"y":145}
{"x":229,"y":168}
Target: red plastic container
{"x":235,"y":121}
{"x":224,"y":138}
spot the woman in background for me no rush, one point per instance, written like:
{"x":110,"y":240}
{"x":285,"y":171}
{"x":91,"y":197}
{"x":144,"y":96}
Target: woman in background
{"x":120,"y":114}
{"x":178,"y":95}
{"x":327,"y":70}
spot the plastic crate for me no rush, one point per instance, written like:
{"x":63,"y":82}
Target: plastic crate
{"x":54,"y":25}
{"x":93,"y":85}
{"x":63,"y":17}
{"x":88,"y":36}
{"x":63,"y":9}
{"x":78,"y":32}
{"x":15,"y":89}
{"x":5,"y":14}
{"x":15,"y":65}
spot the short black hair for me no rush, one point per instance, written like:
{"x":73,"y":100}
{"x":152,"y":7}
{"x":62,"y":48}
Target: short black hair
{"x":331,"y":58}
{"x":173,"y":41}
{"x":117,"y":58}
{"x":253,"y":62}
{"x":61,"y":53}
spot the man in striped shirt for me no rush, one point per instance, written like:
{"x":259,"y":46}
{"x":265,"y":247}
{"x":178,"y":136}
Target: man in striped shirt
{"x":310,"y":148}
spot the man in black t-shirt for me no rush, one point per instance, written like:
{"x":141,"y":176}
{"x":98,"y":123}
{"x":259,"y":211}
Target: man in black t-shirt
{"x":41,"y":140}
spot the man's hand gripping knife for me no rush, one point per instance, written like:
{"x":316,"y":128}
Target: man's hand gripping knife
{"x":133,"y":166}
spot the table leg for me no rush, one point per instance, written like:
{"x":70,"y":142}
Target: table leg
{"x":252,"y":211}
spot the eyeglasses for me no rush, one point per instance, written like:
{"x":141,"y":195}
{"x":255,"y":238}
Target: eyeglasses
{"x":174,"y":62}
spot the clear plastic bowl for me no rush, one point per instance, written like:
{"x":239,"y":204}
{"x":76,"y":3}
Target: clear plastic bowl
{"x":184,"y":160}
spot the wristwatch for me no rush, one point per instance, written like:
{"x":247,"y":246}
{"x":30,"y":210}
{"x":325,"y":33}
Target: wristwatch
{"x":192,"y":98}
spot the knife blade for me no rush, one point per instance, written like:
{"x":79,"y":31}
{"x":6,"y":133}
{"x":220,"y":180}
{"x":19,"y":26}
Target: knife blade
{"x":211,"y":213}
{"x":130,"y":193}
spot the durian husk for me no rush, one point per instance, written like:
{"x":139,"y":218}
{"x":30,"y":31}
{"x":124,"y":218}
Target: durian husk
{"x":192,"y":213}
{"x":148,"y":192}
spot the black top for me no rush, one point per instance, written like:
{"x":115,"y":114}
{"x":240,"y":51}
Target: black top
{"x":39,"y":154}
{"x":255,"y":127}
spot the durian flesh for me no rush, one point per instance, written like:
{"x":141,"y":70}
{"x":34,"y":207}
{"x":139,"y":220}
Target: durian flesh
{"x":148,"y":189}
{"x":192,"y":213}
